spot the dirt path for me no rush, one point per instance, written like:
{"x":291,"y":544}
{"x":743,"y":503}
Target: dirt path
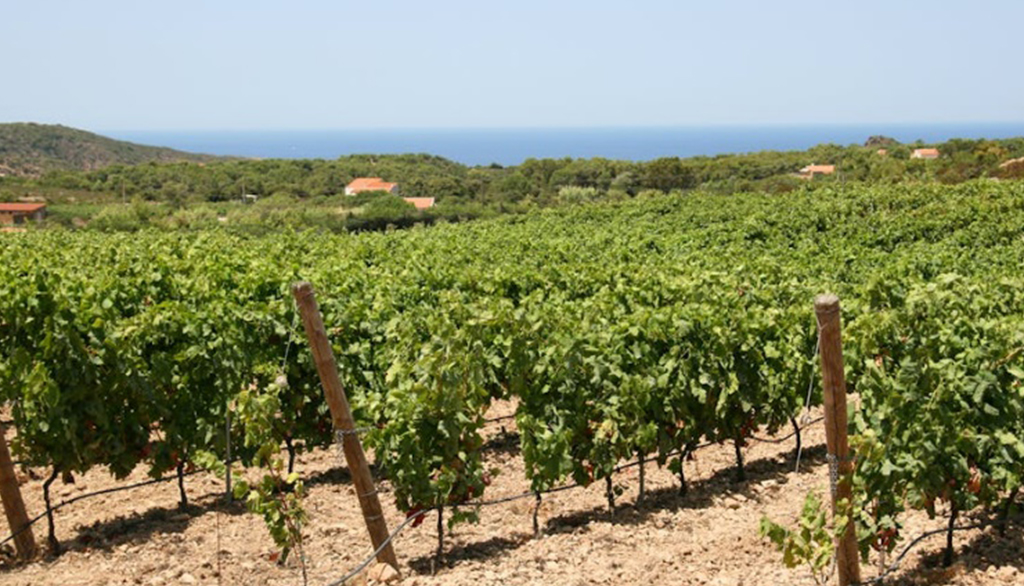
{"x":707,"y":537}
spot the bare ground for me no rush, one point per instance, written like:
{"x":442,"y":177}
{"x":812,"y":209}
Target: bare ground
{"x":707,"y":537}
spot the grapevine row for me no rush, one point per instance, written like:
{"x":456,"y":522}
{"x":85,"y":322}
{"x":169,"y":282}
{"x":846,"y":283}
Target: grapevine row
{"x":635,"y":329}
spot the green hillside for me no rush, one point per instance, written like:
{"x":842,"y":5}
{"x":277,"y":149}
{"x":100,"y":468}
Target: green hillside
{"x":29,"y":149}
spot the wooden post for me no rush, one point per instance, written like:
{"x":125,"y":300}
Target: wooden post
{"x":342,"y":416}
{"x":826,"y":307}
{"x":14,"y":506}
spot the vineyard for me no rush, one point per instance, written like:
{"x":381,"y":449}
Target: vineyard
{"x":638,"y":331}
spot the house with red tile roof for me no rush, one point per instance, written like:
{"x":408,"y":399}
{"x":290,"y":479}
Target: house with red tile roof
{"x":361,"y":184}
{"x":421,"y":203}
{"x":12,"y":214}
{"x":925,"y":154}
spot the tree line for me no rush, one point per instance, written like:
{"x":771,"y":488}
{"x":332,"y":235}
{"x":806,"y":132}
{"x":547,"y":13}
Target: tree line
{"x":539,"y":182}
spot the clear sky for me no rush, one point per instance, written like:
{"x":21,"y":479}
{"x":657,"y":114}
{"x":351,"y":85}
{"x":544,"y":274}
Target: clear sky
{"x":306,"y":64}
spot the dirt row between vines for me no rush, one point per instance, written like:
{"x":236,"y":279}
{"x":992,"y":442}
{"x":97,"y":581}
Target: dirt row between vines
{"x":707,"y":537}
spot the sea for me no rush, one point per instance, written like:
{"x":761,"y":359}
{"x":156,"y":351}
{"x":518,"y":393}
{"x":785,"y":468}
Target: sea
{"x":511,"y":146}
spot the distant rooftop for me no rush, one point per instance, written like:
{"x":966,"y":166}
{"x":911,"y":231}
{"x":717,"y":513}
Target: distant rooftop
{"x":22,"y":207}
{"x":421,"y":203}
{"x":360,"y":184}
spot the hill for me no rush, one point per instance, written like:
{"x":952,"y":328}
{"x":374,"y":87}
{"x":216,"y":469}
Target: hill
{"x":29,"y":149}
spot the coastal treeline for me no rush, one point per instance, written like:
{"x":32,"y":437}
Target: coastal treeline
{"x":542,"y":180}
{"x":189,"y":194}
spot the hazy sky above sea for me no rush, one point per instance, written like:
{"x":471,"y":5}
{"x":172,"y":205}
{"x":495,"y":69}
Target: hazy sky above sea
{"x":233,"y":64}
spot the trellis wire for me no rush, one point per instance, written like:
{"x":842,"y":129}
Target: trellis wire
{"x":833,"y":471}
{"x":810,"y":388}
{"x":530,"y":494}
{"x":80,"y":497}
{"x":398,"y":530}
{"x":288,"y":346}
{"x":876,"y":580}
{"x":340,"y":433}
{"x":786,"y":437}
{"x":360,"y":430}
{"x":366,"y":562}
{"x":502,"y":418}
{"x":362,"y":565}
{"x":920,"y":538}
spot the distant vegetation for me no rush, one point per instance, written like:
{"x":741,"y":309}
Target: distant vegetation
{"x":28,"y":149}
{"x":310,"y":192}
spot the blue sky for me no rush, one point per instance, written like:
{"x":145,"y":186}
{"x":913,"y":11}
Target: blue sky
{"x":230,"y":64}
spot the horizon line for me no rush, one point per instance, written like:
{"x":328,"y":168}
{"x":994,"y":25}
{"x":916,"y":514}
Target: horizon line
{"x":679,"y":126}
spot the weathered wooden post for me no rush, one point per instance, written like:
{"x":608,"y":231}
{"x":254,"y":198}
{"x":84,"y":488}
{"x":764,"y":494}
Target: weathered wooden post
{"x":14,"y":506}
{"x":341,"y":414}
{"x":826,"y":307}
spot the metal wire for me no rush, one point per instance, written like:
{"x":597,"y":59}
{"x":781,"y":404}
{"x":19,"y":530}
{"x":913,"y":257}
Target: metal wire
{"x":786,"y":437}
{"x":80,"y":497}
{"x":366,"y":562}
{"x":833,"y":471}
{"x":362,"y":565}
{"x":288,"y":346}
{"x":531,"y":494}
{"x":341,"y":433}
{"x":896,"y":563}
{"x":502,"y":418}
{"x":573,"y":485}
{"x":810,"y":388}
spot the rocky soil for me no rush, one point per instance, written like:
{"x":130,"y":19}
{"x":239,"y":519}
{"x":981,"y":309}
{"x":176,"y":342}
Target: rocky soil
{"x":708,"y":536}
